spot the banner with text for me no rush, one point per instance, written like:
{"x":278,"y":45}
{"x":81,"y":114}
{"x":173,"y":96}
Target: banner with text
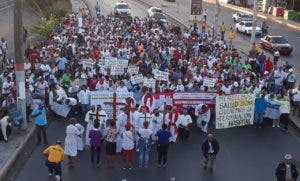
{"x":185,"y":99}
{"x":234,"y":110}
{"x":104,"y":97}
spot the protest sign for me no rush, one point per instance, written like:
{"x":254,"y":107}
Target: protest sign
{"x":123,"y":63}
{"x":272,"y":110}
{"x":149,"y":83}
{"x":185,"y":99}
{"x":209,"y":82}
{"x":116,"y":70}
{"x":234,"y":110}
{"x":87,"y":64}
{"x":60,"y":109}
{"x":132,"y":69}
{"x":79,"y":22}
{"x":111,"y":61}
{"x":160,"y":75}
{"x":102,"y":97}
{"x":137,"y":79}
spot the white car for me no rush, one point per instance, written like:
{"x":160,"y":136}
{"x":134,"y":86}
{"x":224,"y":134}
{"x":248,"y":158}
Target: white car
{"x":153,"y":10}
{"x":240,"y":16}
{"x":122,"y":9}
{"x":246,"y":27}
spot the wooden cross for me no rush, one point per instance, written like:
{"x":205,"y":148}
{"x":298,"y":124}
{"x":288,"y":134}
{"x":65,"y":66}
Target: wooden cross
{"x":97,"y":114}
{"x":114,"y":104}
{"x":164,"y":112}
{"x":145,"y":117}
{"x":128,"y":108}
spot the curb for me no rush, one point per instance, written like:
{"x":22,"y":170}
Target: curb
{"x":290,"y":25}
{"x":10,"y":162}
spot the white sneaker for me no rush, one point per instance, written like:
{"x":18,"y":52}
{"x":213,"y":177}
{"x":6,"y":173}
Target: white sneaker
{"x":50,"y":174}
{"x":273,"y":126}
{"x":278,"y":126}
{"x":57,"y":177}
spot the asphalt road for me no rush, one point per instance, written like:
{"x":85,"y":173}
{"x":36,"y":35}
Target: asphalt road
{"x":246,"y":153}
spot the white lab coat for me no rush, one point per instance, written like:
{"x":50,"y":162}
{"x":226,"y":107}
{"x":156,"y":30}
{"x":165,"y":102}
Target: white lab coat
{"x":156,"y":124}
{"x":80,"y":142}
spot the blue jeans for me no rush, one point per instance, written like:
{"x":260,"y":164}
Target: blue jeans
{"x":84,"y":109}
{"x":258,"y":118}
{"x":144,"y":146}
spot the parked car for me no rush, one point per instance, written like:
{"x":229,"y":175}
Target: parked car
{"x":276,"y":42}
{"x":240,"y":16}
{"x":153,"y":10}
{"x":158,"y":17}
{"x":122,"y":9}
{"x":246,"y":27}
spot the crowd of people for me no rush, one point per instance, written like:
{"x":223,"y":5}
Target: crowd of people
{"x":56,"y":76}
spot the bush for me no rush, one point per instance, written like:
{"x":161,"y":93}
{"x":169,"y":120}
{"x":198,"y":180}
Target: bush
{"x":292,"y":15}
{"x":46,"y":26}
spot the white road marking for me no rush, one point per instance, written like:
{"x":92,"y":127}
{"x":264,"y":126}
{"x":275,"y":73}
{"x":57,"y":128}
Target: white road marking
{"x":172,"y":178}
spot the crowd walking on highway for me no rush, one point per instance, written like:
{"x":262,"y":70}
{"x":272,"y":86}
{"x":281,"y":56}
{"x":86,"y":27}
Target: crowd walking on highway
{"x":63,"y":71}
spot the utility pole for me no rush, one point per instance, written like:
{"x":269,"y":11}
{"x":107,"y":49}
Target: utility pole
{"x":19,"y":60}
{"x":216,"y":19}
{"x":254,"y":22}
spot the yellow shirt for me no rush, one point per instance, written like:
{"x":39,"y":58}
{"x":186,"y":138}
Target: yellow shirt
{"x":55,"y":153}
{"x":231,"y":35}
{"x":222,"y":28}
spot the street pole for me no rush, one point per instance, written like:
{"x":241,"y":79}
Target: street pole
{"x":19,"y":59}
{"x":216,"y":19}
{"x":254,"y":22}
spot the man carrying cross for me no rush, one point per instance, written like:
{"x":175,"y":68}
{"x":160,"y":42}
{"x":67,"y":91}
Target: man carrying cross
{"x":144,"y":116}
{"x":95,"y":114}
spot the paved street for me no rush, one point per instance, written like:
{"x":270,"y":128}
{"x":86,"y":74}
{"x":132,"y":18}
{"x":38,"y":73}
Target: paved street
{"x":246,"y":153}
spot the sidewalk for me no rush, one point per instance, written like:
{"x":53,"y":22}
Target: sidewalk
{"x":11,"y":152}
{"x":291,"y":24}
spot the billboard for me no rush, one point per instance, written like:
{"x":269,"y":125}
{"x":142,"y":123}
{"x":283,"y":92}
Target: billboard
{"x":196,"y":7}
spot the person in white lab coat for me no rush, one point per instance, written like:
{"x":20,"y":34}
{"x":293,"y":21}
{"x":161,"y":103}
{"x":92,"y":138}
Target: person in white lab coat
{"x":121,"y":123}
{"x":203,"y":114}
{"x":71,"y":141}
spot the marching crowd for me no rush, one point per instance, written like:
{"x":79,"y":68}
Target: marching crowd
{"x":56,"y":75}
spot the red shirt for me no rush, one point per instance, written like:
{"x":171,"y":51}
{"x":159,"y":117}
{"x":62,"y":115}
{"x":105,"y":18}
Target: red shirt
{"x":268,"y":65}
{"x":34,"y":55}
{"x":96,"y":54}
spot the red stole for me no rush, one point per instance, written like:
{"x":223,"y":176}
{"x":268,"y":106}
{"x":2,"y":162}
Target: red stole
{"x":171,"y":121}
{"x":146,"y":99}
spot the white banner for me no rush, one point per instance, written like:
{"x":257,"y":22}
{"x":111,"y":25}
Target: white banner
{"x":123,"y":63}
{"x":209,"y":82}
{"x":111,"y":61}
{"x":132,"y":69}
{"x":137,"y":79}
{"x":87,"y":64}
{"x":116,"y":70}
{"x":149,"y":83}
{"x":60,"y":109}
{"x":104,"y":97}
{"x":160,"y":75}
{"x":234,"y":110}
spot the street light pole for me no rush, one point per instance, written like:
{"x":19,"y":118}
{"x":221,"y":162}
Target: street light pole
{"x":254,"y":22}
{"x":216,"y":18}
{"x":19,"y":59}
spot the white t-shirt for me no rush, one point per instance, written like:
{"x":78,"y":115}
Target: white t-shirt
{"x":226,"y":90}
{"x":185,"y":119}
{"x":127,"y":140}
{"x":145,"y":133}
{"x":296,"y":97}
{"x":8,"y":86}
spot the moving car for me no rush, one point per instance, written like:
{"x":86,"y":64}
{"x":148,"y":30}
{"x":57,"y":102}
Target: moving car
{"x":153,"y":10}
{"x":122,"y":9}
{"x":158,"y":17}
{"x":276,"y":42}
{"x":240,"y":16}
{"x":246,"y":27}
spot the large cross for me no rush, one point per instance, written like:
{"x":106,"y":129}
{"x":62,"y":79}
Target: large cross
{"x":97,"y":114}
{"x":114,"y":104}
{"x":128,"y":108}
{"x":145,"y":117}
